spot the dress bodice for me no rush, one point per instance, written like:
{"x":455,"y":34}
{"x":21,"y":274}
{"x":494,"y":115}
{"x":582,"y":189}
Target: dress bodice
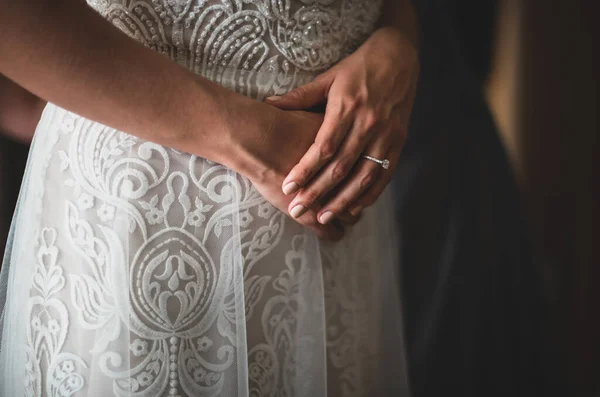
{"x":251,"y":46}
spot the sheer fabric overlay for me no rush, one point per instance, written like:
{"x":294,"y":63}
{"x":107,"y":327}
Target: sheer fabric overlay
{"x":137,"y":270}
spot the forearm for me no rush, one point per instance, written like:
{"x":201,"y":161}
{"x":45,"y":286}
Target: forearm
{"x":65,"y":53}
{"x":20,"y":111}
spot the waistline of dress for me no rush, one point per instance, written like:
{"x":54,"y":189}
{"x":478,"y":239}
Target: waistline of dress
{"x":275,"y":76}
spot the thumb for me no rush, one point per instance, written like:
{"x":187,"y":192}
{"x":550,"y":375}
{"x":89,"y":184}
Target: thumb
{"x":304,"y":97}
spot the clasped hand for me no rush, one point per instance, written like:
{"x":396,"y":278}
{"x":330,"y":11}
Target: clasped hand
{"x":309,"y":164}
{"x":369,"y":97}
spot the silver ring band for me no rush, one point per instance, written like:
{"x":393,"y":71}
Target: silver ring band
{"x":385,"y":163}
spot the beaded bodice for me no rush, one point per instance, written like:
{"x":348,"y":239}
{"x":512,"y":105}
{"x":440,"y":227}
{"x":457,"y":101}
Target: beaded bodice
{"x":257,"y":47}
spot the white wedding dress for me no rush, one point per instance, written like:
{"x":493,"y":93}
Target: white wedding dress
{"x":137,"y":270}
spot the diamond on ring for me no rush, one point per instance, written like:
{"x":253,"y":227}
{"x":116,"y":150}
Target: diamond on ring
{"x":385,"y":163}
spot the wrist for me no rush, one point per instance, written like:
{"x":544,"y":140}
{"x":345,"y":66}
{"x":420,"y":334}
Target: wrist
{"x":207,"y":119}
{"x":396,"y":53}
{"x":400,"y":16}
{"x":394,"y":41}
{"x":237,"y":133}
{"x":248,"y":139}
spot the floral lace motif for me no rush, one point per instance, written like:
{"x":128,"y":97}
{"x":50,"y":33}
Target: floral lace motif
{"x":154,"y":256}
{"x":48,"y":328}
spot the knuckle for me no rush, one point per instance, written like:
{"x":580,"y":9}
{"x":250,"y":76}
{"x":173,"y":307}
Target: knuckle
{"x":372,"y":120}
{"x":363,"y":137}
{"x":310,"y":196}
{"x":366,"y":179}
{"x":321,"y":79}
{"x":345,"y":105}
{"x":341,"y":204}
{"x":299,"y":92}
{"x":339,"y":171}
{"x":351,"y":103}
{"x":326,"y":149}
{"x":302,"y":174}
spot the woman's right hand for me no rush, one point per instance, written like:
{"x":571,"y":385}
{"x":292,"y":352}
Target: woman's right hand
{"x":266,"y":144}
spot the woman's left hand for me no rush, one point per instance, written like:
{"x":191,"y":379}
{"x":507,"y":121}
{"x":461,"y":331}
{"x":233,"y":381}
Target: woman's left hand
{"x":369,"y":98}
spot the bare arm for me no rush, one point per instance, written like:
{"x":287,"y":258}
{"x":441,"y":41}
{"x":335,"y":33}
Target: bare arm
{"x":65,"y":53}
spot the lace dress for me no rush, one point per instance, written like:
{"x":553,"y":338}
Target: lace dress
{"x":137,"y":270}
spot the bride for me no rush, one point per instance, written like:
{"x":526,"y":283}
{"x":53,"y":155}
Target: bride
{"x":170,"y":236}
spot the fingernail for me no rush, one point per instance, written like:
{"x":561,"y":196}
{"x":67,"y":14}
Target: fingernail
{"x":290,"y":188}
{"x":356,"y":210}
{"x":274,"y":98}
{"x":326,"y":217}
{"x":297,"y":211}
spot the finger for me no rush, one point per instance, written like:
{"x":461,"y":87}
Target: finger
{"x":335,"y":127}
{"x":369,"y":197}
{"x":397,"y":140}
{"x":305,"y":96}
{"x":337,"y":170}
{"x":363,"y":180}
{"x":347,"y":219}
{"x":330,"y":232}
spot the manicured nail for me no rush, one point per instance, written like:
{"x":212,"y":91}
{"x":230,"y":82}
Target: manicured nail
{"x":326,"y":217}
{"x":356,"y":210}
{"x":298,"y":211}
{"x":290,"y":188}
{"x":274,"y":98}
